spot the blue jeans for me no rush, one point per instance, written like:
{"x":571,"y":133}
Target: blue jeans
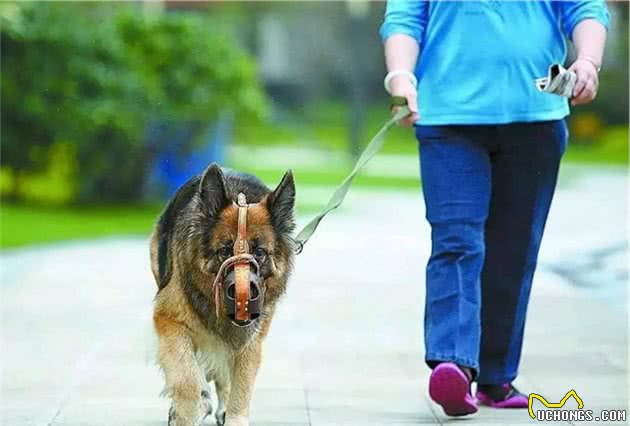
{"x":487,"y":191}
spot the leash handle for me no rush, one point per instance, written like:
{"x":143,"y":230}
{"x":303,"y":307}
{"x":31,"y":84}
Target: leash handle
{"x":398,"y":101}
{"x":339,"y":195}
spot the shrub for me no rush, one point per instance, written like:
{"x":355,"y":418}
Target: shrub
{"x":98,"y":74}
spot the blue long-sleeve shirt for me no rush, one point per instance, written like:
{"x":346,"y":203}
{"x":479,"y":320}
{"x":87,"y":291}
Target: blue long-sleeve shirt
{"x":479,"y":59}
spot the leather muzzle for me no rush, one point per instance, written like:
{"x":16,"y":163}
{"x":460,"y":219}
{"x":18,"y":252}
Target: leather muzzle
{"x":239,"y":277}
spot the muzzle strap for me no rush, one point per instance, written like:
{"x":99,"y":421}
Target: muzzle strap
{"x":242,"y":298}
{"x":241,"y":266}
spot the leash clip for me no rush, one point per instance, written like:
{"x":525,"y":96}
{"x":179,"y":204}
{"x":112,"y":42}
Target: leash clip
{"x":300,"y":246}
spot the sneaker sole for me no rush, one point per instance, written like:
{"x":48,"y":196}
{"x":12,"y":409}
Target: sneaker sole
{"x":448,"y":387}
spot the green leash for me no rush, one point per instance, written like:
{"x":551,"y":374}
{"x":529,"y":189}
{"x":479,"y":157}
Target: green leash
{"x":340,"y":193}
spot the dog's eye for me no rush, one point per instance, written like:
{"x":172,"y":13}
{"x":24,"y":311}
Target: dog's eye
{"x":260,"y":252}
{"x":224,"y":252}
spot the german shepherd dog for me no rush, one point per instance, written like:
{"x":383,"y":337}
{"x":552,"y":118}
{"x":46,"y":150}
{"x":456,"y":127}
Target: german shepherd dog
{"x":198,"y":342}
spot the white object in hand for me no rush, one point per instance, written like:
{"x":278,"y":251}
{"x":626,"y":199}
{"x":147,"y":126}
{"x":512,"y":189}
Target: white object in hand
{"x":559,"y":81}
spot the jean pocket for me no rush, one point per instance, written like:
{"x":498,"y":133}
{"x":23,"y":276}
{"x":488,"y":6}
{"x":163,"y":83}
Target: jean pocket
{"x":431,"y":133}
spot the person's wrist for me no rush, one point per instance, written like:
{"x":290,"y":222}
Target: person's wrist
{"x":397,"y":79}
{"x":586,"y":58}
{"x":401,"y":85}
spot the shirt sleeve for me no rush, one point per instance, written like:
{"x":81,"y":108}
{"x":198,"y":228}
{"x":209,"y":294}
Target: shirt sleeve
{"x":574,"y":12}
{"x":405,"y":17}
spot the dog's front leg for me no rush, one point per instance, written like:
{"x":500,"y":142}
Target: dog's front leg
{"x":244,"y":371}
{"x":184,"y":380}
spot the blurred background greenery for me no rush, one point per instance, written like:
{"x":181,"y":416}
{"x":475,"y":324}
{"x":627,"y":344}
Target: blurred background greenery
{"x":107,"y":107}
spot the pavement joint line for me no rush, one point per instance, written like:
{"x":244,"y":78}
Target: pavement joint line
{"x":308,"y":408}
{"x":429,"y":403}
{"x":574,"y":273}
{"x":305,"y":388}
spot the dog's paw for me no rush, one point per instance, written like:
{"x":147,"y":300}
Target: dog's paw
{"x":236,"y":421}
{"x":173,"y":420}
{"x":219,"y":417}
{"x":205,"y":408}
{"x":206,"y":404}
{"x":172,"y":417}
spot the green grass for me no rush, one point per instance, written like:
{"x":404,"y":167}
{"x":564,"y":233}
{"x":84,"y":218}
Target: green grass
{"x":328,"y":177}
{"x":611,"y":149}
{"x":23,"y":225}
{"x":320,"y":125}
{"x":324,"y":125}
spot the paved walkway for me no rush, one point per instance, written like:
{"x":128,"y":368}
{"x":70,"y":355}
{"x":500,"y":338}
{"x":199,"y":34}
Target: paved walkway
{"x":77,"y":346}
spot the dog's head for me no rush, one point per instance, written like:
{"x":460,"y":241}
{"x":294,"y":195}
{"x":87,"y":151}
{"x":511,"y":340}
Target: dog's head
{"x":270,"y":221}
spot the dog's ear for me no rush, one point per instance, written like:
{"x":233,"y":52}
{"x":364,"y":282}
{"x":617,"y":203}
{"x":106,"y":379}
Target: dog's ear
{"x":280,"y":204}
{"x":212,"y":190}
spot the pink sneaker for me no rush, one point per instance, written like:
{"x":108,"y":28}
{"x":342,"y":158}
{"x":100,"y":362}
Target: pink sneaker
{"x":450,"y":387}
{"x":501,"y":396}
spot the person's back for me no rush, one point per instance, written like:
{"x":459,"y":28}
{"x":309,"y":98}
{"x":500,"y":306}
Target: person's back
{"x":479,"y":59}
{"x":490,"y":146}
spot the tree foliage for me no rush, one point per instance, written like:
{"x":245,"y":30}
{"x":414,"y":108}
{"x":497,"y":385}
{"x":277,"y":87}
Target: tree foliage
{"x":97,"y":74}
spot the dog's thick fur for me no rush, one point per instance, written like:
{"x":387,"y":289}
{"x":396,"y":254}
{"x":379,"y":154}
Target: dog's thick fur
{"x":193,"y":236}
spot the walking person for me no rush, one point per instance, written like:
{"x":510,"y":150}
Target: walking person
{"x":490,"y":146}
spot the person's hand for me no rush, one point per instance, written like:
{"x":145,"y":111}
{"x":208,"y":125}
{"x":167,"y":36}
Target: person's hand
{"x":587,"y":82}
{"x":402,"y":86}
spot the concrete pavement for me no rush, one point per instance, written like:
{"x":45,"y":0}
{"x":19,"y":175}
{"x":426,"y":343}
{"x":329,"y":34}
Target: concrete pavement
{"x":77,"y":345}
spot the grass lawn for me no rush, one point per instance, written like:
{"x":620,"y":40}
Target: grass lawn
{"x":22,"y":225}
{"x":324,"y":125}
{"x":612,"y":149}
{"x":321,"y":126}
{"x":331,"y":177}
